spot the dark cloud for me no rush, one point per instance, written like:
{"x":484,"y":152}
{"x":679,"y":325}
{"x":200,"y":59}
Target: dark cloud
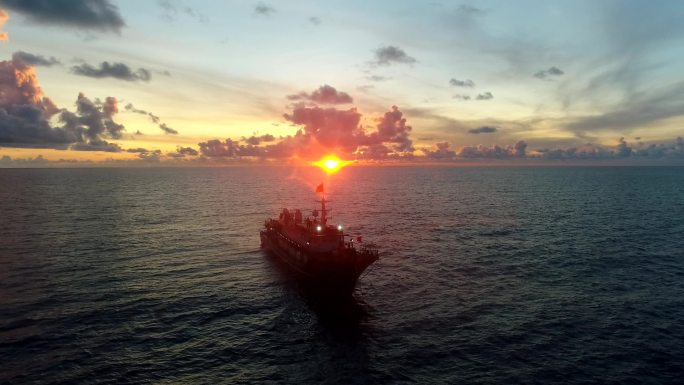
{"x":323,"y":130}
{"x":119,"y":71}
{"x":99,"y":15}
{"x":462,"y":83}
{"x":154,"y":118}
{"x":256,"y":140}
{"x":315,"y":20}
{"x":7,"y":160}
{"x":25,"y":115}
{"x":324,"y":95}
{"x":392,"y":128}
{"x":552,"y":71}
{"x":263,"y":9}
{"x":669,"y":150}
{"x":93,"y":120}
{"x":187,"y":151}
{"x":137,"y":150}
{"x":442,"y":151}
{"x":518,"y":150}
{"x":150,"y":156}
{"x":482,"y":130}
{"x":388,"y":55}
{"x":34,"y":60}
{"x":330,"y":127}
{"x":462,"y":97}
{"x":167,"y":130}
{"x":485,"y":96}
{"x":96,"y":145}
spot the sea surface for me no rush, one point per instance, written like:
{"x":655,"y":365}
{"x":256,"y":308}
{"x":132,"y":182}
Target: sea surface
{"x":487,"y":276}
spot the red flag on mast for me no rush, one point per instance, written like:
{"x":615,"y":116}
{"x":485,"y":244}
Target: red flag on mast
{"x":319,"y":189}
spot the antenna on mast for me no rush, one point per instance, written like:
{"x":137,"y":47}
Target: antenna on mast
{"x":324,"y":211}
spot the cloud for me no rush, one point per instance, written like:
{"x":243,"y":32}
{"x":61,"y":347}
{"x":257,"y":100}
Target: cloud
{"x":34,"y":60}
{"x":482,"y":130}
{"x":7,"y":160}
{"x":96,"y":145}
{"x":673,"y":149}
{"x":314,"y":20}
{"x":516,"y":150}
{"x":485,"y":96}
{"x":385,"y":56}
{"x":154,"y":118}
{"x":172,"y":8}
{"x":462,"y":83}
{"x":322,"y":131}
{"x":442,"y":151}
{"x":552,"y":71}
{"x":637,"y":110}
{"x":256,"y":140}
{"x":324,"y":95}
{"x":153,"y":156}
{"x":263,"y":9}
{"x":635,"y":33}
{"x":119,"y":71}
{"x":25,"y":115}
{"x":3,"y":19}
{"x":136,"y":150}
{"x":168,"y":130}
{"x":187,"y":151}
{"x":392,"y":128}
{"x":99,"y":15}
{"x":462,"y":97}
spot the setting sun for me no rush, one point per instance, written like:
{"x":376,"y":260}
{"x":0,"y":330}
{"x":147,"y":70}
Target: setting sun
{"x":331,"y":164}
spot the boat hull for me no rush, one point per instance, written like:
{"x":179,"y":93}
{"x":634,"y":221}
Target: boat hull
{"x":327,"y":273}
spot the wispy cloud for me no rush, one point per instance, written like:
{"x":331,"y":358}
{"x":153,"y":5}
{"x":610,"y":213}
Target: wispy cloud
{"x":462,"y":83}
{"x":172,"y":8}
{"x":638,"y":110}
{"x":154,"y":118}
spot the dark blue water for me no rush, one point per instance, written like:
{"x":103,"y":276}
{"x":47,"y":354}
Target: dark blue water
{"x":487,"y":275}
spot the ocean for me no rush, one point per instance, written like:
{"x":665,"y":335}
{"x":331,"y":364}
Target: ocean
{"x":496,"y":275}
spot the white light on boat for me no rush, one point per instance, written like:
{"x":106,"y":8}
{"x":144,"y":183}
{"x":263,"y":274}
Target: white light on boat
{"x":319,"y":228}
{"x":339,"y":227}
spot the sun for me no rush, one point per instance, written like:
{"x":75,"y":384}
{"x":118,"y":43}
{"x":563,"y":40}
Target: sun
{"x":331,"y":163}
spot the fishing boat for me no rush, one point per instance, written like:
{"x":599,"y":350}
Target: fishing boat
{"x":318,"y":252}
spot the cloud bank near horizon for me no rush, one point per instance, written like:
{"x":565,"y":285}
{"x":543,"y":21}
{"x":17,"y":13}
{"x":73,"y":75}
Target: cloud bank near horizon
{"x":30,"y":119}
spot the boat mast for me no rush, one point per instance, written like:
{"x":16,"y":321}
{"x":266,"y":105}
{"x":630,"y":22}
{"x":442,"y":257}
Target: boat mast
{"x":324,"y":211}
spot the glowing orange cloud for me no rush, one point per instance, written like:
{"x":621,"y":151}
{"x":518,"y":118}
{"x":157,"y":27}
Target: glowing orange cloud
{"x":3,"y":19}
{"x":331,"y":163}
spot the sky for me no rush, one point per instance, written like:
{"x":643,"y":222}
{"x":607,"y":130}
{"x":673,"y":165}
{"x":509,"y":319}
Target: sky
{"x":204,"y":82}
